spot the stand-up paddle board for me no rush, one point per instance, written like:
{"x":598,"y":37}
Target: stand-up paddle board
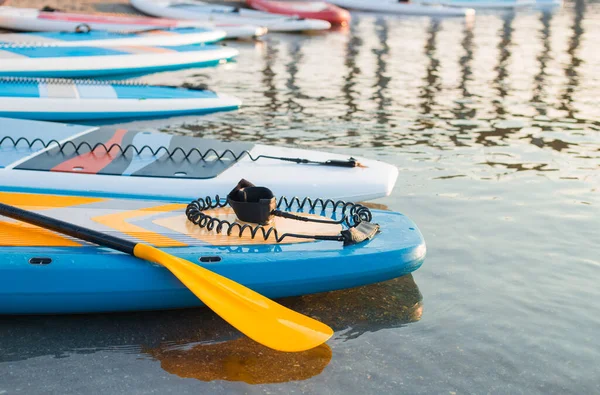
{"x":403,"y":8}
{"x":30,"y":19}
{"x":62,"y":158}
{"x":43,"y":272}
{"x":56,"y":100}
{"x":207,"y":12}
{"x":303,"y":9}
{"x":72,"y":62}
{"x":160,"y":37}
{"x":482,"y":4}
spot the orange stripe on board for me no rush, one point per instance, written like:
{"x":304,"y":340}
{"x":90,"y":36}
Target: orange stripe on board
{"x":19,"y":234}
{"x":118,"y":222}
{"x":161,"y":33}
{"x":92,"y":162}
{"x":33,"y":201}
{"x":140,"y":49}
{"x":25,"y":235}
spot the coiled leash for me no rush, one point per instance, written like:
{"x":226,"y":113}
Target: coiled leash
{"x":258,"y":205}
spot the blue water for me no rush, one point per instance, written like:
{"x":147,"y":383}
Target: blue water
{"x":495,"y":127}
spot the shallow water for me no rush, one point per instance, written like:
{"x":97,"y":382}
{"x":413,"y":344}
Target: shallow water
{"x":495,"y":127}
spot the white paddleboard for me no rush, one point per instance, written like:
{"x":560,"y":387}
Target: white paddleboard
{"x":57,"y":100}
{"x":30,"y":19}
{"x":214,"y":13}
{"x":27,"y":164}
{"x":402,"y":8}
{"x":483,"y":4}
{"x":161,"y":37}
{"x":75,"y":62}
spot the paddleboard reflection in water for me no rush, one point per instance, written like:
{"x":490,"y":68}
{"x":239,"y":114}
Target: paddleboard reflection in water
{"x":351,"y":312}
{"x":242,"y":360}
{"x":196,"y":343}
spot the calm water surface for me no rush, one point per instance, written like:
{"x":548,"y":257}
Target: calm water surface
{"x":495,"y":126}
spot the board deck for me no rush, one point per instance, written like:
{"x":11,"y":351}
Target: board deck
{"x":67,"y":99}
{"x":73,"y":62}
{"x":114,"y":162}
{"x":207,"y":12}
{"x":160,"y":224}
{"x":30,"y":19}
{"x":159,"y":37}
{"x":303,"y":9}
{"x":416,"y":8}
{"x":42,"y":272}
{"x":145,"y":165}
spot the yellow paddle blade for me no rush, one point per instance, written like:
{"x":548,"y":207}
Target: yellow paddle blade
{"x":253,"y":314}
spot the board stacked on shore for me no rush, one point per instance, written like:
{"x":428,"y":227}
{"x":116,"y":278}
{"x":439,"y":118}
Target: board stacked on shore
{"x":483,"y":4}
{"x":303,"y":9}
{"x":61,"y":158}
{"x":64,"y":99}
{"x":404,"y":8}
{"x":72,"y":62}
{"x":30,"y":19}
{"x":207,"y":12}
{"x":159,"y":37}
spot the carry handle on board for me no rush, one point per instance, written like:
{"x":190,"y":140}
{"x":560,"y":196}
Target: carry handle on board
{"x":258,"y":317}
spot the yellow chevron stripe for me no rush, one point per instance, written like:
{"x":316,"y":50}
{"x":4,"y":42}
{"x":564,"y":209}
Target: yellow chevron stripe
{"x":25,"y":235}
{"x":18,"y":234}
{"x":118,"y":222}
{"x":31,"y":201}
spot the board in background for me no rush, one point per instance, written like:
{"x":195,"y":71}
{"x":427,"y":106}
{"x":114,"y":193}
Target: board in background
{"x":208,"y":12}
{"x":158,"y":38}
{"x":404,"y":8}
{"x":31,"y":19}
{"x":60,"y":100}
{"x":94,"y":62}
{"x":303,"y":9}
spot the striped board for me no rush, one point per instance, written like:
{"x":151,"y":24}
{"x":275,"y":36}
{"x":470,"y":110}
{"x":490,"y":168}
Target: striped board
{"x":417,"y":8}
{"x":42,"y":272}
{"x":303,"y":9}
{"x":160,"y":37}
{"x":144,"y":164}
{"x":57,"y":99}
{"x":77,"y":62}
{"x":215,"y":13}
{"x":30,"y":19}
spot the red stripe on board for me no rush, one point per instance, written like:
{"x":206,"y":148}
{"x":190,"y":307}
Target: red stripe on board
{"x":93,"y":162}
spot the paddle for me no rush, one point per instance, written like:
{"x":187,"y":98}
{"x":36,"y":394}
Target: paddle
{"x":258,"y":317}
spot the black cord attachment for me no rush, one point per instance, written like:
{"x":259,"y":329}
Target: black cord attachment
{"x":175,"y":154}
{"x":258,"y":206}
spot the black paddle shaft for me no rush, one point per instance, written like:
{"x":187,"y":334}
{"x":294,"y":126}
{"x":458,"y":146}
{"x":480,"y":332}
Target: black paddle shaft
{"x":67,"y":228}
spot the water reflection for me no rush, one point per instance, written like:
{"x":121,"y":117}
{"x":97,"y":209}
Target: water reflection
{"x":241,"y":360}
{"x":466,"y":74}
{"x":381,"y":79}
{"x":490,"y":104}
{"x":268,"y":79}
{"x":292,"y":67}
{"x":571,"y":72}
{"x":353,"y":46}
{"x":504,"y":52}
{"x":431,"y":82}
{"x":196,"y":343}
{"x":543,"y":59}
